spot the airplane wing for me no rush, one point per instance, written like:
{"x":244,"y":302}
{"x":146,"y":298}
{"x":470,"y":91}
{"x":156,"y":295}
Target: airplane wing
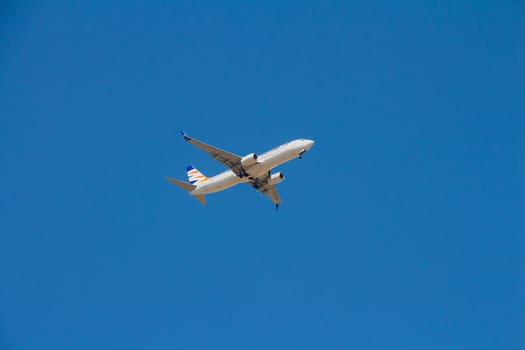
{"x":261,"y":185}
{"x":271,"y":191}
{"x":231,"y":160}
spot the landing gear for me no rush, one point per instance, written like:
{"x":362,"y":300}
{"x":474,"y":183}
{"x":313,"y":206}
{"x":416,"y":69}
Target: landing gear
{"x":301,"y":154}
{"x":242,"y":173}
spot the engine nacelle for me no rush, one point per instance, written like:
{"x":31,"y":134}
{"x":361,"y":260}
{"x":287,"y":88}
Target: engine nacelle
{"x":276,"y":178}
{"x":249,"y":160}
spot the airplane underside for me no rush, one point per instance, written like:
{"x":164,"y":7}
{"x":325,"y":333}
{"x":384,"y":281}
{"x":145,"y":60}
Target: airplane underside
{"x":255,"y":170}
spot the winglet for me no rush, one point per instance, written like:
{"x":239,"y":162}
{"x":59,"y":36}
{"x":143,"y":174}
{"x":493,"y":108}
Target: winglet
{"x":184,"y":136}
{"x":276,"y":206}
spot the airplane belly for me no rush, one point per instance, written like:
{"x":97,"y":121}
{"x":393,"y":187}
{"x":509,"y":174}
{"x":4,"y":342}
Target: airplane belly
{"x":222,"y":183}
{"x":271,"y":162}
{"x":241,"y":170}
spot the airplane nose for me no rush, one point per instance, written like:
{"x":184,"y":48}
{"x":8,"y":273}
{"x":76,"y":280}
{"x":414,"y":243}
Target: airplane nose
{"x":309,"y":144}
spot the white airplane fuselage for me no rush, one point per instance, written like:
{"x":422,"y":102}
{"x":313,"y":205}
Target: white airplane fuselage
{"x":265,"y":162}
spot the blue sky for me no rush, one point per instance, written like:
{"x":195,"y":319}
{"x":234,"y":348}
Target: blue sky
{"x":402,"y":228}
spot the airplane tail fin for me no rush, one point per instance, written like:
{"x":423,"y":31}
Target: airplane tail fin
{"x":188,"y":187}
{"x":195,"y":177}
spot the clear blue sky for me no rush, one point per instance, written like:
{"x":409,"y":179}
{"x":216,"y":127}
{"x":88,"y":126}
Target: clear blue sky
{"x":403,"y":228}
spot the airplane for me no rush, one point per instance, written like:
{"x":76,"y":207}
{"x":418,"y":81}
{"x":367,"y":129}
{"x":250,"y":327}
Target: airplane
{"x":252,"y":169}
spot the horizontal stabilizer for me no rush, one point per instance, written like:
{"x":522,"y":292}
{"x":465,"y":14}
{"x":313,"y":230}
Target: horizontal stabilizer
{"x":201,"y":199}
{"x":188,"y":187}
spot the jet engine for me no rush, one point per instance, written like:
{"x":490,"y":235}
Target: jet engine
{"x":249,"y":160}
{"x":276,"y":178}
